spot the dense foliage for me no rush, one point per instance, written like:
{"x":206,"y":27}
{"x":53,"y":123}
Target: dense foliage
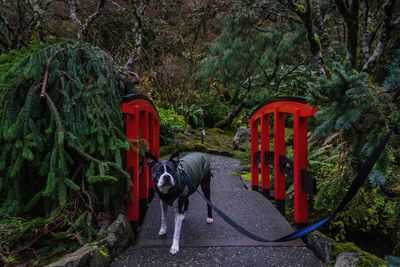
{"x":62,"y":139}
{"x":171,"y":123}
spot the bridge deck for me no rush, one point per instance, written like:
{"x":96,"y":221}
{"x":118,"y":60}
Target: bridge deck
{"x":218,"y":244}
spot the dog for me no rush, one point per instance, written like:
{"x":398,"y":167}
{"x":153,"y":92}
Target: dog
{"x":170,"y":186}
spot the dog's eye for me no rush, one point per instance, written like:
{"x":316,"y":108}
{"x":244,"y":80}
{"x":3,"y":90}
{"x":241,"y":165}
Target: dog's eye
{"x":157,"y":172}
{"x":170,"y":170}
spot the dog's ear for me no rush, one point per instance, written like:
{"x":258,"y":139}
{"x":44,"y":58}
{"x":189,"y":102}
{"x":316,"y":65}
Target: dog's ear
{"x":175,"y":158}
{"x":150,"y":159}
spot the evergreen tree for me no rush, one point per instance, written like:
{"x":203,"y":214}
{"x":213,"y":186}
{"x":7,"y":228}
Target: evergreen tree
{"x":353,"y":115}
{"x":249,"y":65}
{"x":62,"y":139}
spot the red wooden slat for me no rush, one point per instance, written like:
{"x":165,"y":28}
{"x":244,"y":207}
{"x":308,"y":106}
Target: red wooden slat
{"x":265,"y":170}
{"x":152,"y":144}
{"x":254,"y":150}
{"x":279,"y":150}
{"x":144,"y":134}
{"x":300,"y":163}
{"x":132,"y":166}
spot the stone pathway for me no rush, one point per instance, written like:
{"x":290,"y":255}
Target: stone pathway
{"x":218,"y":244}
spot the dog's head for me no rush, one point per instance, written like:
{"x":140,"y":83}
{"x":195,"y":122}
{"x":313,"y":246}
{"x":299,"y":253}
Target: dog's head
{"x":164,"y":172}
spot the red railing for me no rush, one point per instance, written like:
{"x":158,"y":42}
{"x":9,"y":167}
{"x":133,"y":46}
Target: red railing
{"x":301,"y":111}
{"x":142,"y":123}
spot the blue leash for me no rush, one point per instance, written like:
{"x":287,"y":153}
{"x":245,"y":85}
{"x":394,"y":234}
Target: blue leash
{"x":362,"y":174}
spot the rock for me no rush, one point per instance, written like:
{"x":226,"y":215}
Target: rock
{"x":85,"y":256}
{"x":119,"y":236}
{"x":322,"y":245}
{"x":347,"y":259}
{"x":242,"y":138}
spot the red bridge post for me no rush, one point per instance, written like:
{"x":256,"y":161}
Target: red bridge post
{"x":142,"y":123}
{"x":301,"y":111}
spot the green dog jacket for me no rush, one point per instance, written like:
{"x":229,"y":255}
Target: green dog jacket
{"x":196,"y":166}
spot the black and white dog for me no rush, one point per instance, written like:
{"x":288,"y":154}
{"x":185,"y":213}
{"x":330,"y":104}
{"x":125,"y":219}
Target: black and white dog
{"x":170,"y":186}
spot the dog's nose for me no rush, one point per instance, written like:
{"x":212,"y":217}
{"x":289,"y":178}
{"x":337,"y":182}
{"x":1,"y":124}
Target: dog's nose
{"x":167,"y":179}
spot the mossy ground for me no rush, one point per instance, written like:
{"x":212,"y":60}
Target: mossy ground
{"x":216,"y":141}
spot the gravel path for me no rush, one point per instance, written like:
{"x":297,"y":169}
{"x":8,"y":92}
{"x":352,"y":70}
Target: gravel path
{"x":218,"y":244}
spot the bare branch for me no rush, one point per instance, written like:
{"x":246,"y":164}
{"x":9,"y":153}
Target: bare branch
{"x":384,"y":36}
{"x":304,"y":13}
{"x":82,"y":27}
{"x":259,"y":29}
{"x":135,"y":54}
{"x":4,"y":21}
{"x":95,"y":14}
{"x":289,"y":72}
{"x":343,"y":9}
{"x":73,"y":6}
{"x":396,"y":21}
{"x":367,"y":32}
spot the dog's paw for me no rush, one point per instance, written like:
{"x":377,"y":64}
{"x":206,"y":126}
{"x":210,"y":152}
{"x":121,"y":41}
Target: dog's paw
{"x":163,"y":231}
{"x":209,"y":220}
{"x":174,"y":249}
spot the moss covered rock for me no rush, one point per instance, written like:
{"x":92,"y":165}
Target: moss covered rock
{"x":365,"y":258}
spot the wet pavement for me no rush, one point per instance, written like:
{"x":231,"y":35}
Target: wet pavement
{"x":218,"y":244}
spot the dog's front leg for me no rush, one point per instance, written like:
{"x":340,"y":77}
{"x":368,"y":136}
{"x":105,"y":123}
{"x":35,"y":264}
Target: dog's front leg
{"x":179,"y":217}
{"x":164,"y":210}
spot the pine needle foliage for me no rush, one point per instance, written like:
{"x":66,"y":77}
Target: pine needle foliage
{"x":352,"y":106}
{"x":252,"y":63}
{"x":62,"y":135}
{"x":353,"y":116}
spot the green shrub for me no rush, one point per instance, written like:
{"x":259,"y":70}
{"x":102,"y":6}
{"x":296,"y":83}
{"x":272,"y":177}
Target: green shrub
{"x":244,"y":157}
{"x":171,"y":123}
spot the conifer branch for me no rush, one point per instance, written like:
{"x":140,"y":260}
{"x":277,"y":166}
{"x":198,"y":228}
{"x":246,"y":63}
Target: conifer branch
{"x":46,"y":72}
{"x":289,"y":72}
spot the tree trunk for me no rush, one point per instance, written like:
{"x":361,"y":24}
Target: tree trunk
{"x":231,"y":116}
{"x":304,"y":13}
{"x":384,"y":37}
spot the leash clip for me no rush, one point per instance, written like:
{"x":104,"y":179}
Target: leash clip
{"x":180,"y":167}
